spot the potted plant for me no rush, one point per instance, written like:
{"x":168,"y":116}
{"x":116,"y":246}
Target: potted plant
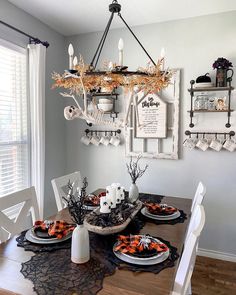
{"x":135,"y":172}
{"x":222,"y":66}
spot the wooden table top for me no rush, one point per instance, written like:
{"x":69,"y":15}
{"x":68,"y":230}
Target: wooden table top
{"x":122,"y":282}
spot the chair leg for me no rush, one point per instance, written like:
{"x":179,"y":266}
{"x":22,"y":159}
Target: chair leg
{"x":189,"y":290}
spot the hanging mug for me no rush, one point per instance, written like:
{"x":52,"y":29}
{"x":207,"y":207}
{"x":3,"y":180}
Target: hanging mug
{"x":221,"y":77}
{"x":216,"y":144}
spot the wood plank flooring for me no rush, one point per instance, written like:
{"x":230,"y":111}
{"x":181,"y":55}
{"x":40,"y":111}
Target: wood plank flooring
{"x":214,"y":277}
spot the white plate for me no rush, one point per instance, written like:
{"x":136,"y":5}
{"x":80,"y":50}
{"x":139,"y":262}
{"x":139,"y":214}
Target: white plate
{"x":142,"y":261}
{"x":30,"y":236}
{"x":160,"y":217}
{"x":202,"y":85}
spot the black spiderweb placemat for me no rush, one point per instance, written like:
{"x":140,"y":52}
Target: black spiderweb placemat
{"x":53,"y":273}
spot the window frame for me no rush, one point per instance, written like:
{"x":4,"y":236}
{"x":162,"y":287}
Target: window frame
{"x":13,"y":212}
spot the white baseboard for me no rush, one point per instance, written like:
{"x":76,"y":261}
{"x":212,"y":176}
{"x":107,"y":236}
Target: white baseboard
{"x":216,"y":255}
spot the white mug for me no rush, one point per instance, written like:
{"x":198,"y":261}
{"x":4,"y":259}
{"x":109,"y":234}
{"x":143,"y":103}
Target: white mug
{"x":229,"y":145}
{"x":115,"y":140}
{"x":105,"y":140}
{"x":216,"y":145}
{"x":190,"y":143}
{"x":95,"y":140}
{"x":202,"y":144}
{"x":85,"y":139}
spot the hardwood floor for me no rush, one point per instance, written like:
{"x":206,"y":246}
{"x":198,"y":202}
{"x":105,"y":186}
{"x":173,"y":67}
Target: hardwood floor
{"x":214,"y":277}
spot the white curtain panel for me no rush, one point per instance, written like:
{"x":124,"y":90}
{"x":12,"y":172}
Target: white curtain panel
{"x":37,"y":60}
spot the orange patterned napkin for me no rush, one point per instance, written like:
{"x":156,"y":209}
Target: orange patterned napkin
{"x":160,"y":209}
{"x":136,"y":244}
{"x":57,"y":228}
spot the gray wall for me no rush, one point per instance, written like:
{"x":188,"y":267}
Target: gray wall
{"x":55,"y":123}
{"x":191,"y":45}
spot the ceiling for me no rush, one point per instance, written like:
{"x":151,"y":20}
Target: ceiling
{"x":71,"y":17}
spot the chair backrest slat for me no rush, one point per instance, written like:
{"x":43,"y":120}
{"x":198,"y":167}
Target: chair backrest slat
{"x":27,"y":200}
{"x":187,"y":262}
{"x":60,"y":183}
{"x":199,"y":195}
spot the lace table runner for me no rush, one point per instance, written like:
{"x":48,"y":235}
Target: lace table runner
{"x":53,"y":273}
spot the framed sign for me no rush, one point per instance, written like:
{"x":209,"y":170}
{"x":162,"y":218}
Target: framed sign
{"x":162,"y":141}
{"x":152,"y":112}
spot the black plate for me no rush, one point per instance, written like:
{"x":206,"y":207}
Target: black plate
{"x":43,"y":234}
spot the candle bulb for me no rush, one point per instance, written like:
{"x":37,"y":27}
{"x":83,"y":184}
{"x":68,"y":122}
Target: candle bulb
{"x":110,"y":66}
{"x":70,"y":52}
{"x":121,"y":51}
{"x":105,"y":205}
{"x":163,"y":58}
{"x":75,"y":62}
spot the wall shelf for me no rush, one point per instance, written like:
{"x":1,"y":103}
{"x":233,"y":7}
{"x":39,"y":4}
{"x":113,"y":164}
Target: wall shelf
{"x":192,"y":90}
{"x":211,"y":111}
{"x":210,"y":89}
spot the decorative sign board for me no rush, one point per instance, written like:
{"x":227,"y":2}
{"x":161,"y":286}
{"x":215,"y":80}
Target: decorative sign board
{"x":138,"y":141}
{"x":152,"y":117}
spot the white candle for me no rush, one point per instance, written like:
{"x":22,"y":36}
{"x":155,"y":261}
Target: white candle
{"x":111,"y":195}
{"x":110,"y":66}
{"x":75,"y":62}
{"x":163,"y":54}
{"x":70,"y":52}
{"x":117,"y":187}
{"x":122,"y":193}
{"x":121,"y":51}
{"x":105,"y":205}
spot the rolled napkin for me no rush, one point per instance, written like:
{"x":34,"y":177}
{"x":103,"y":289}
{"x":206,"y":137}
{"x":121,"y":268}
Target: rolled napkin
{"x":54,"y":228}
{"x":160,"y":209}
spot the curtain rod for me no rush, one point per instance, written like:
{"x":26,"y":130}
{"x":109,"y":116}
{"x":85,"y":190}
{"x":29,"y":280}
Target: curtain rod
{"x":31,"y":38}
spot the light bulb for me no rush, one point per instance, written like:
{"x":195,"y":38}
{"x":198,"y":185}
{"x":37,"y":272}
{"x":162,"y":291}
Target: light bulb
{"x":75,"y":61}
{"x":163,"y":53}
{"x":71,"y":50}
{"x":121,"y":44}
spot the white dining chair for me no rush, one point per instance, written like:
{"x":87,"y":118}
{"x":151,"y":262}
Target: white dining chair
{"x":182,"y":284}
{"x":199,"y":195}
{"x":21,"y":203}
{"x":60,"y":184}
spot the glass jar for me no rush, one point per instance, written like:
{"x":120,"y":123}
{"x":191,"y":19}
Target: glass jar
{"x":211,"y":104}
{"x":201,"y":102}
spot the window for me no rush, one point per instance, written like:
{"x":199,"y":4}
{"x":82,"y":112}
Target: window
{"x":14,"y":121}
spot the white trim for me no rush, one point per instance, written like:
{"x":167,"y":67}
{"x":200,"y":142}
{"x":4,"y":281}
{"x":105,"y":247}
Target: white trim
{"x":217,"y":255}
{"x":12,"y":46}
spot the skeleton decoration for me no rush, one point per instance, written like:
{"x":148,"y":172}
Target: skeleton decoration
{"x":83,"y":80}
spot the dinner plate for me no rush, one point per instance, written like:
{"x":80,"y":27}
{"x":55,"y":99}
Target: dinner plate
{"x":160,"y":217}
{"x":160,"y":257}
{"x":31,"y":237}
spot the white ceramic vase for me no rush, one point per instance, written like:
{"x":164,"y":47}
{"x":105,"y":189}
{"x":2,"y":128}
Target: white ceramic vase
{"x":80,"y":250}
{"x":133,"y":193}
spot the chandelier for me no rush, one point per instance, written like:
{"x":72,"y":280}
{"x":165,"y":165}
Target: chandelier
{"x":83,"y":79}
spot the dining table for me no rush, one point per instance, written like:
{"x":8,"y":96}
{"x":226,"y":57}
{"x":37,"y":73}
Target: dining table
{"x":121,"y":282}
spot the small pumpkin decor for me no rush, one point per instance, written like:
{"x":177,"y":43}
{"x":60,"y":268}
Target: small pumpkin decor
{"x":222,"y":66}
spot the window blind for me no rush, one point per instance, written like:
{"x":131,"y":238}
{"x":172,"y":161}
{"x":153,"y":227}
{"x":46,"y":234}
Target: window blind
{"x":14,"y":126}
